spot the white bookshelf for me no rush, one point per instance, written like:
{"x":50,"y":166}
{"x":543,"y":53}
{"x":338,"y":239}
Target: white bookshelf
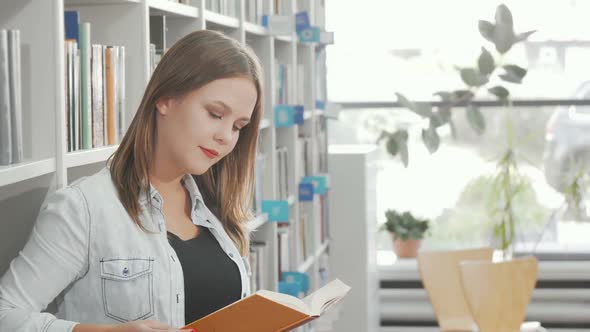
{"x":49,"y":166}
{"x":16,"y":173}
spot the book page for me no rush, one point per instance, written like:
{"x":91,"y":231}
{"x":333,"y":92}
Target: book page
{"x":286,"y":300}
{"x":322,"y":299}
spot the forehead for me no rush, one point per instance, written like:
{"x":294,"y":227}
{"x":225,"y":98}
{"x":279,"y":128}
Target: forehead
{"x":235,"y":92}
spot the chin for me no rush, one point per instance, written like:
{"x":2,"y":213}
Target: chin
{"x":199,"y":167}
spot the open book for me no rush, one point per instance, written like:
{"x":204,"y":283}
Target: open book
{"x":266,"y":311}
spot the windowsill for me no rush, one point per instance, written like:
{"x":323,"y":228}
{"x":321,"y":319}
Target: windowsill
{"x":392,"y":268}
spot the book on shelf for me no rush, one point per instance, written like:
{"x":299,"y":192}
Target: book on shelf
{"x":11,"y":135}
{"x":158,"y":33}
{"x":223,"y":7}
{"x":283,"y":171}
{"x":258,"y":183}
{"x":95,"y":89}
{"x":254,"y":11}
{"x":96,"y":65}
{"x":5,"y":134}
{"x":288,"y":312}
{"x":258,"y":254}
{"x":284,"y":257}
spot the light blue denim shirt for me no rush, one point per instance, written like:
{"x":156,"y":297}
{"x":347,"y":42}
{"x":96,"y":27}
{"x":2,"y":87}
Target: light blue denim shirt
{"x":86,"y":251}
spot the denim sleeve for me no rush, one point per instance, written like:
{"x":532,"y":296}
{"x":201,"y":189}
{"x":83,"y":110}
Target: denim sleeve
{"x":55,"y":254}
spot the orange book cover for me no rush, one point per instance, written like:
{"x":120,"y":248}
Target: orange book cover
{"x":266,"y":311}
{"x":110,"y":85}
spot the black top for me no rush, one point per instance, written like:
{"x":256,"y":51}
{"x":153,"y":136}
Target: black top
{"x":211,"y":279}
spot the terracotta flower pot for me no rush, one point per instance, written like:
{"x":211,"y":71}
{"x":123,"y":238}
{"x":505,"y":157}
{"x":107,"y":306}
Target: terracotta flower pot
{"x":406,"y":249}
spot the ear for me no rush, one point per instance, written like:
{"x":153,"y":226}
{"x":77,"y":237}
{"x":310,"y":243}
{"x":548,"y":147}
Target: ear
{"x":163,"y":105}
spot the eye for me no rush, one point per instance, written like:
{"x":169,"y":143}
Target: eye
{"x":215,"y":116}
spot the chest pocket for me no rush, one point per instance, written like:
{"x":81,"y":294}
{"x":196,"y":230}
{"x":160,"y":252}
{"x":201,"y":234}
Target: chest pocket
{"x":127,"y":288}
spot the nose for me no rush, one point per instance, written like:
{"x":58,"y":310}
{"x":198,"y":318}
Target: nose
{"x":224,"y":134}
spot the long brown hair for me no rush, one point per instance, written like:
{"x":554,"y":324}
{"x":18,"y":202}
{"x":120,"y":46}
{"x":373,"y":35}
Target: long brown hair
{"x":194,"y":61}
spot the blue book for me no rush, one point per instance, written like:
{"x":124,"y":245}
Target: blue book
{"x":305,"y":192}
{"x":72,"y":25}
{"x":302,"y":279}
{"x":320,"y":104}
{"x":292,"y":289}
{"x":310,"y":35}
{"x":301,"y":21}
{"x":278,"y":211}
{"x":284,"y":115}
{"x":298,"y":114}
{"x":320,"y":183}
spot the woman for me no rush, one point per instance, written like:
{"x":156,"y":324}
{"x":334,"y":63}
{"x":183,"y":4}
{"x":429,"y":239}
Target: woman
{"x":157,"y":238}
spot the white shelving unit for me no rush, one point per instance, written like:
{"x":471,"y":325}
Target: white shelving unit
{"x":48,"y":166}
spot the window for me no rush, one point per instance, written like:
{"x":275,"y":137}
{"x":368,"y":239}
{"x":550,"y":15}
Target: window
{"x":414,"y":51}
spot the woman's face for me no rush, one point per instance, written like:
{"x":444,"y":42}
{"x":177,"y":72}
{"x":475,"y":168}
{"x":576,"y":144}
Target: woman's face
{"x":199,"y":129}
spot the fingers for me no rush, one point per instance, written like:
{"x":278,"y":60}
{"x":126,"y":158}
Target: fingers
{"x":157,"y":326}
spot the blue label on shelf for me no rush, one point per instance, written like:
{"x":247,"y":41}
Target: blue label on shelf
{"x":320,"y":183}
{"x":290,"y":289}
{"x":320,"y":104}
{"x":284,"y":115}
{"x":311,"y":34}
{"x":278,"y":211}
{"x":265,"y":21}
{"x":298,"y":117}
{"x":302,"y":279}
{"x":301,"y":21}
{"x":305,"y":192}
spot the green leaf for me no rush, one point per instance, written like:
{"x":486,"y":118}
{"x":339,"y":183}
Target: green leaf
{"x":423,"y":109}
{"x":405,"y":102}
{"x":513,"y":74}
{"x":487,"y":30}
{"x":401,"y":135}
{"x":463,"y":95}
{"x":523,"y":36}
{"x":403,"y":152}
{"x":431,"y":139}
{"x":476,"y":119}
{"x":503,"y":31}
{"x":485,"y":62}
{"x":499,"y":91}
{"x":472,"y":77}
{"x":392,"y":145}
{"x":503,"y":16}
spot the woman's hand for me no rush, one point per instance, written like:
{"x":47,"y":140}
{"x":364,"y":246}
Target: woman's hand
{"x":136,"y":326}
{"x":145,"y":326}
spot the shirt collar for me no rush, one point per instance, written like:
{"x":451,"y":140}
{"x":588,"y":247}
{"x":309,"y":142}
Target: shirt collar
{"x":191,"y":186}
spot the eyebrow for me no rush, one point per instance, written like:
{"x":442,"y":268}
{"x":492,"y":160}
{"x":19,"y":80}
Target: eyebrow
{"x":228,"y":109}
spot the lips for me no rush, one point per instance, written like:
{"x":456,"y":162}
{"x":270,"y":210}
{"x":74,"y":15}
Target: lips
{"x":209,"y":153}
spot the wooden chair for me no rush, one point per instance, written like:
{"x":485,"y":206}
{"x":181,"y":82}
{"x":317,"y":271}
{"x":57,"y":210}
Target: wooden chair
{"x":498,"y":293}
{"x":441,"y":278}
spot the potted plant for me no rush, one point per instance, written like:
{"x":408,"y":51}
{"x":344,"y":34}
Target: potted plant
{"x":407,"y":232}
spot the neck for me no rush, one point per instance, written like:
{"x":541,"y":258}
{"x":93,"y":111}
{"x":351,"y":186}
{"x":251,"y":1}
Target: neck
{"x":165,"y":179}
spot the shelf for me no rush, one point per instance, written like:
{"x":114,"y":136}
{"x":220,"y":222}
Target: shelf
{"x":222,"y":20}
{"x":257,"y":222}
{"x":255,"y":29}
{"x":98,"y":2}
{"x":284,"y":39}
{"x":27,"y":170}
{"x":169,"y":8}
{"x":85,"y":157}
{"x":312,"y":259}
{"x":264,"y":123}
